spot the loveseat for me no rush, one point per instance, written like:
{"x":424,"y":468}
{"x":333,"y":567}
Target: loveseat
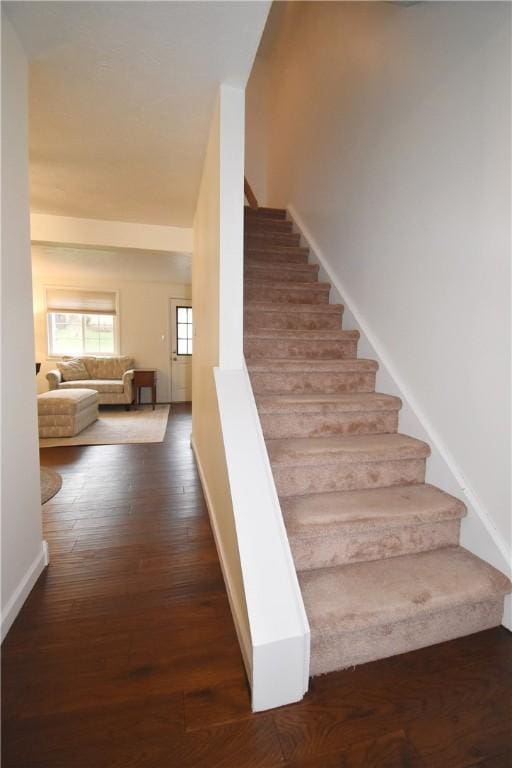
{"x":110,"y":377}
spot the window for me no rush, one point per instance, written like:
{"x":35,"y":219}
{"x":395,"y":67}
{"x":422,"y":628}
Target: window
{"x":81,"y":322}
{"x":184,"y":330}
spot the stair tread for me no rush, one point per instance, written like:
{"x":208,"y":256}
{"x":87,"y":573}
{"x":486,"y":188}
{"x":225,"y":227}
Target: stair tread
{"x":269,"y":233}
{"x":265,"y":236}
{"x":285,"y":365}
{"x":276,"y":226}
{"x":322,"y":514}
{"x":265,"y":211}
{"x":280,"y":266}
{"x":279,"y":272}
{"x":342,"y":448}
{"x":274,"y":306}
{"x":289,"y":285}
{"x":312,"y":403}
{"x":357,"y":596}
{"x":266,"y":219}
{"x":310,"y":334}
{"x":289,"y":249}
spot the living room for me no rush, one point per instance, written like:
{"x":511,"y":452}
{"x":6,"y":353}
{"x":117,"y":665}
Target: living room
{"x":142,"y":283}
{"x":113,"y":304}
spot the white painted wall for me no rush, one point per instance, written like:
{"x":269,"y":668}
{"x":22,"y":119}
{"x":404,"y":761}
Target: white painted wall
{"x":256,"y":129}
{"x":23,"y":552}
{"x":235,"y":472}
{"x":206,"y":429}
{"x":145,"y":282}
{"x":231,"y":233}
{"x":389,"y":137}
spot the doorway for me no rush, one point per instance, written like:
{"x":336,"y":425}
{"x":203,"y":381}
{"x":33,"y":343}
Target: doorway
{"x":181,"y":350}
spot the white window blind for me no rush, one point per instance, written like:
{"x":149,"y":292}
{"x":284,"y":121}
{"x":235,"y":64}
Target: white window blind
{"x":81,"y":301}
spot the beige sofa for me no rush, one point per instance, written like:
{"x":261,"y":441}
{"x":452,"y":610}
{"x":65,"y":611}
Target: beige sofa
{"x":110,"y":377}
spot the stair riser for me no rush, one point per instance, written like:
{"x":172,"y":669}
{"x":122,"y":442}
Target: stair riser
{"x":280,"y":274}
{"x":375,"y":544}
{"x":276,"y":257}
{"x":265,"y":225}
{"x":317,"y":349}
{"x":352,"y":648}
{"x":284,"y":425}
{"x":345,"y":476}
{"x":308,"y":382}
{"x":258,"y":292}
{"x":292,"y":321}
{"x":263,"y":240}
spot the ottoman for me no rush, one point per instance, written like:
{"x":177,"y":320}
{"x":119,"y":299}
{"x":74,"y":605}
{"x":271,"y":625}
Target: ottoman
{"x":64,"y":413}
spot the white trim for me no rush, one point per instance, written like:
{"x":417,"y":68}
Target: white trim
{"x":46,"y":553}
{"x":237,"y":611}
{"x":488,"y":543}
{"x":507,"y":613}
{"x":22,"y":591}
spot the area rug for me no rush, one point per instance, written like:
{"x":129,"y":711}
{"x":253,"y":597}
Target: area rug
{"x":51,"y":483}
{"x":116,"y":426}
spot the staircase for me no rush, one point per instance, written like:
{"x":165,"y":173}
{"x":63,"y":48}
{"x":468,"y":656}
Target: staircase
{"x":375,"y":547}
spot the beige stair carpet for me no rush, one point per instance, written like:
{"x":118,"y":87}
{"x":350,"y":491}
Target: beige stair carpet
{"x":375,"y":547}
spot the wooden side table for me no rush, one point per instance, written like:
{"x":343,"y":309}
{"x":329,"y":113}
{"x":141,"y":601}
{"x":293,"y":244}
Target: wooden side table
{"x":145,"y":377}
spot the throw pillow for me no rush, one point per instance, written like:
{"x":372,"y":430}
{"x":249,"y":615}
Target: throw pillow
{"x":73,"y":370}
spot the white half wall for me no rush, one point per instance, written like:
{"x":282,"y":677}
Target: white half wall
{"x":23,"y":549}
{"x":389,"y":140}
{"x":244,"y":510}
{"x":207,"y":438}
{"x":279,"y":628}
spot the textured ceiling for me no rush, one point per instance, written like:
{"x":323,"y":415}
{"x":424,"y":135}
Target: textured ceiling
{"x":121,"y":97}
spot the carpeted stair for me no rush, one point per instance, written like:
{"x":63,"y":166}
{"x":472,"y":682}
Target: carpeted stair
{"x":375,"y":547}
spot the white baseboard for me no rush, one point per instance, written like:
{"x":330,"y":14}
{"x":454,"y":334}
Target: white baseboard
{"x":24,"y":588}
{"x":237,"y":611}
{"x":507,"y":613}
{"x":46,"y":552}
{"x":479,"y":534}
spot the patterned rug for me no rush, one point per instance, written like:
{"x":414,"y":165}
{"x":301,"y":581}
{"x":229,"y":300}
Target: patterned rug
{"x":116,"y":426}
{"x":51,"y":483}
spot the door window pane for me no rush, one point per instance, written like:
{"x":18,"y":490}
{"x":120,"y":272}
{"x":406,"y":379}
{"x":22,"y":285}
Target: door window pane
{"x":184,"y":330}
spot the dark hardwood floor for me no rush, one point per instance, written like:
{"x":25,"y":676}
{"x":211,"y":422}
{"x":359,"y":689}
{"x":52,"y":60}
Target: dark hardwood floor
{"x":125,"y":653}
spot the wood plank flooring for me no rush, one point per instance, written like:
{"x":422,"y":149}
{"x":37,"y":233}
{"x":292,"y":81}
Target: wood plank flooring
{"x":125,"y":653}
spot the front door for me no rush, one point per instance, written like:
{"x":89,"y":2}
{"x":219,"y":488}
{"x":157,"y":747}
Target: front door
{"x":181,"y":350}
